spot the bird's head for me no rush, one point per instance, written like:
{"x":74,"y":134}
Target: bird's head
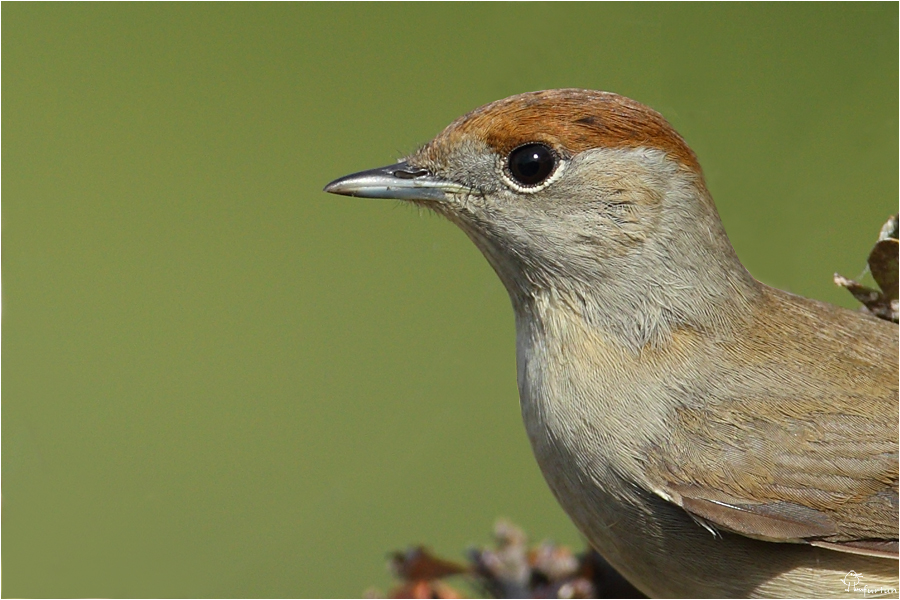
{"x":572,"y":191}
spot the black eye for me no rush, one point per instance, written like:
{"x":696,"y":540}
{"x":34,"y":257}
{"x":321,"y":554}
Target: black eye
{"x":531,"y":164}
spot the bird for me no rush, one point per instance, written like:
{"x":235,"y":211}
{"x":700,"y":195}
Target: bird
{"x":711,"y":436}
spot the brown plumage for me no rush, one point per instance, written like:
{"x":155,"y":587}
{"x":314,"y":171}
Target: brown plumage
{"x":811,"y":459}
{"x":710,"y":435}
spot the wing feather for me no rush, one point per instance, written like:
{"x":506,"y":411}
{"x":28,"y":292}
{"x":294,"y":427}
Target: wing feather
{"x":799,"y":444}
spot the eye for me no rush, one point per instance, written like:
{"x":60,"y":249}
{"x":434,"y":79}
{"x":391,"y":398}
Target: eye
{"x":531,"y":164}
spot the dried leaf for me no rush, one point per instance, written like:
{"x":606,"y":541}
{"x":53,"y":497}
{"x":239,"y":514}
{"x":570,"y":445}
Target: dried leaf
{"x":890,"y":229}
{"x":419,"y":564}
{"x":883,"y":265}
{"x":510,"y":570}
{"x":425,"y":590}
{"x":874,"y":301}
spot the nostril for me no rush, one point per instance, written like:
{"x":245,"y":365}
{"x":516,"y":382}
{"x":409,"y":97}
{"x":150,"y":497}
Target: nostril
{"x":401,"y":174}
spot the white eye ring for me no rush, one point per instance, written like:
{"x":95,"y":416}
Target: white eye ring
{"x":503,"y":169}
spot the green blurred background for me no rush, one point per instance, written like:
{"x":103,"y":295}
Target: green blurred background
{"x":221,"y":381}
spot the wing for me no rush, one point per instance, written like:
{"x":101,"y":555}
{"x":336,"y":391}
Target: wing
{"x":801,"y":445}
{"x":824,"y":478}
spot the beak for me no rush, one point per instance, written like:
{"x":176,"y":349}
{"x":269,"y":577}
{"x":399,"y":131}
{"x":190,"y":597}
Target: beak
{"x":401,"y":181}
